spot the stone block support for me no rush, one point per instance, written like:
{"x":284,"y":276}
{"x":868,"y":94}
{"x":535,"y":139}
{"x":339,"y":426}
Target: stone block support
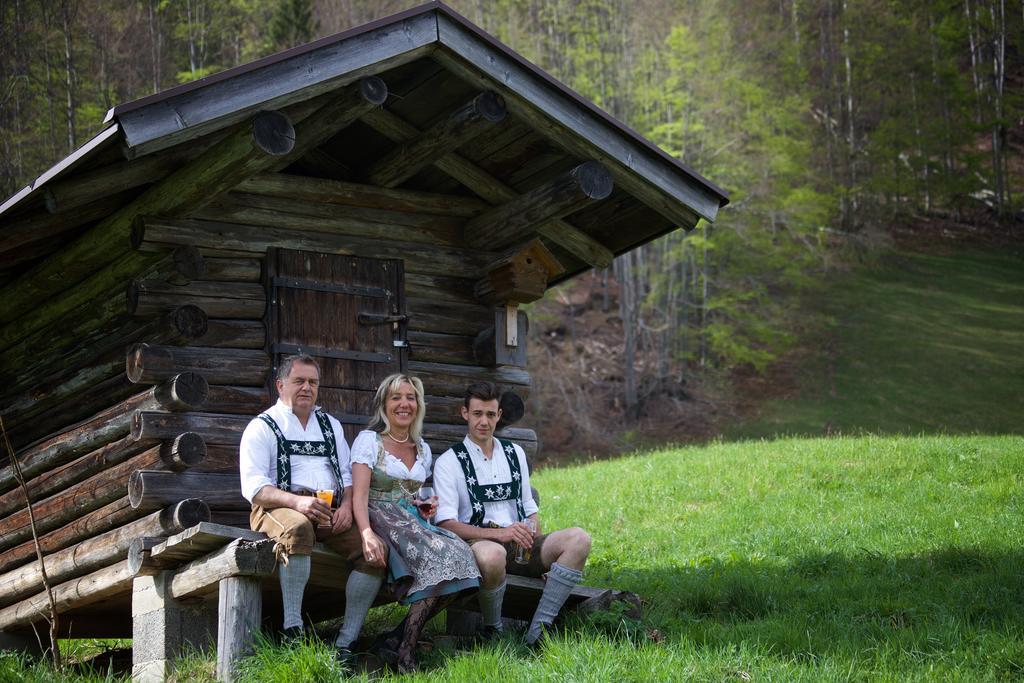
{"x":162,"y":626}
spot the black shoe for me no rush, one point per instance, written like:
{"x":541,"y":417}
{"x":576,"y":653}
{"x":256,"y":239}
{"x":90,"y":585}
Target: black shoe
{"x":292,"y":635}
{"x":345,"y":658}
{"x":488,"y":634}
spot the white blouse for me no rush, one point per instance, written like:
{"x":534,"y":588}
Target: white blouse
{"x":364,"y":450}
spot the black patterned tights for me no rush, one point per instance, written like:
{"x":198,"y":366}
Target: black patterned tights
{"x":419,"y":614}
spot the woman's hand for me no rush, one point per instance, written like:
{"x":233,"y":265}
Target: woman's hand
{"x":342,"y":519}
{"x":374,"y":550}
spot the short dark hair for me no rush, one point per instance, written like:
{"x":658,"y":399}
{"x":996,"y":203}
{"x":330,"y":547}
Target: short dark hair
{"x":285,"y":368}
{"x":485,"y":391}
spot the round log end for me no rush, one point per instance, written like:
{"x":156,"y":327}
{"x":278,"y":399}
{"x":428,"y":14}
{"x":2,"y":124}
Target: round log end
{"x":189,"y":321}
{"x":594,"y":179}
{"x":373,"y":90}
{"x":184,"y":514}
{"x":273,"y":133}
{"x":512,"y":409}
{"x":491,"y":106}
{"x":135,"y":485}
{"x":187,"y":450}
{"x":189,"y":390}
{"x":189,"y":262}
{"x":133,"y":363}
{"x":136,"y":555}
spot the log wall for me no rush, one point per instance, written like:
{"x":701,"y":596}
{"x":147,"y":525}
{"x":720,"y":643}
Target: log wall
{"x":135,"y":402}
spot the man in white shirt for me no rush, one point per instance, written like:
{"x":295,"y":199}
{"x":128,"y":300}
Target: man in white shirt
{"x":484,"y":496}
{"x":287,"y":453}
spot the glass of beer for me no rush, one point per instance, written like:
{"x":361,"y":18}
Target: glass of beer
{"x":327,"y":496}
{"x":522,"y":555}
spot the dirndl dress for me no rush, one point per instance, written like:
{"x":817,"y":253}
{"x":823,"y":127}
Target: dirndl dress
{"x":423,"y":560}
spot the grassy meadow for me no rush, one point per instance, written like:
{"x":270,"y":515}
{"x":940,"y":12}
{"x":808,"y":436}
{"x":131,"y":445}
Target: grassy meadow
{"x":919,"y":343}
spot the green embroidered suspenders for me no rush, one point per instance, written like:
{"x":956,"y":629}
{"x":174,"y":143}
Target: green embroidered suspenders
{"x":327,"y":448}
{"x":491,"y":493}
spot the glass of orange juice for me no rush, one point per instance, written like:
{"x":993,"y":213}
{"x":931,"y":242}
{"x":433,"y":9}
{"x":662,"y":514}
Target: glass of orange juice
{"x":327,"y":496}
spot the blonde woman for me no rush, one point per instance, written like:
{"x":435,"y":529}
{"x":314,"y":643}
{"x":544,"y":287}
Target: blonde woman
{"x":427,"y":566}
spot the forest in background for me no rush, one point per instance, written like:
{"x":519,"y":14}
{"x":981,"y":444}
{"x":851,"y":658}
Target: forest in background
{"x":828,"y":121}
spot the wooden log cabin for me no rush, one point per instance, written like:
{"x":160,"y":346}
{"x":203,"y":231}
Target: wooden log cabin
{"x":382,"y":199}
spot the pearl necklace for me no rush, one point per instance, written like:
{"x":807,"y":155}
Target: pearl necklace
{"x":392,"y":437}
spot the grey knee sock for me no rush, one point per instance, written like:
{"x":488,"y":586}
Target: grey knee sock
{"x":294,"y":576}
{"x":360,"y":592}
{"x":561,"y":580}
{"x":490,"y":604}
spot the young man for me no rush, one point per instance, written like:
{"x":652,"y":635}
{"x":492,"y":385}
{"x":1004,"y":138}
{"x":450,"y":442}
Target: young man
{"x":483,"y":489}
{"x":287,"y":453}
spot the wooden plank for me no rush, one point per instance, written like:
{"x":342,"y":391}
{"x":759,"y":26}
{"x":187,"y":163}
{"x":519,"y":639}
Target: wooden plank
{"x":199,"y":540}
{"x":239,"y":558}
{"x":582,"y":130}
{"x":149,"y":364}
{"x":334,"y":219}
{"x":239,"y":611}
{"x":324,"y":190}
{"x":99,"y":551}
{"x":69,"y":595}
{"x":305,"y":75}
{"x":225,"y":430}
{"x":160,"y":233}
{"x":150,"y":489}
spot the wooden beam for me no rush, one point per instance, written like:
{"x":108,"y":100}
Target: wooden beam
{"x":447,"y":135}
{"x":581,"y":129}
{"x":155,"y":489}
{"x":86,"y":590}
{"x":570,"y":238}
{"x":100,"y":551}
{"x":304,"y":189}
{"x":64,"y":280}
{"x":150,"y":364}
{"x":240,"y":609}
{"x":179,"y":391}
{"x":515,"y":220}
{"x":237,"y":558}
{"x":425,"y":258}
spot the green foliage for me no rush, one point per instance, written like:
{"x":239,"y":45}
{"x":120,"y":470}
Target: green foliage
{"x":292,"y":24}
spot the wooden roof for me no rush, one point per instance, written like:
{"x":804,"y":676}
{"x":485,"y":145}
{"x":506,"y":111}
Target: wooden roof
{"x":433,"y":61}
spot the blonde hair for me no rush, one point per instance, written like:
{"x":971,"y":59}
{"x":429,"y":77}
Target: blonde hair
{"x":379,"y":421}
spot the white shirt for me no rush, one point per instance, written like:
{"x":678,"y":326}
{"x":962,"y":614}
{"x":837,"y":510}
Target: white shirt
{"x":257,"y":453}
{"x":364,"y":450}
{"x":453,"y":494}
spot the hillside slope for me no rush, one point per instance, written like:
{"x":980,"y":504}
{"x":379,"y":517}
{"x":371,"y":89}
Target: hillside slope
{"x":921,"y":343}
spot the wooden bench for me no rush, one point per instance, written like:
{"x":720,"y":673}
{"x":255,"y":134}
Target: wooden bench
{"x":177,"y":578}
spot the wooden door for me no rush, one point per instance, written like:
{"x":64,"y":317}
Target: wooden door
{"x":348,"y":312}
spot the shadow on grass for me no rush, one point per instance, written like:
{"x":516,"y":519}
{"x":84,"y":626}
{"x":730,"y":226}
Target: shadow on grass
{"x":952,"y":603}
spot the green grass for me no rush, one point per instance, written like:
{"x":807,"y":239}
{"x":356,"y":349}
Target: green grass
{"x":858,"y":558}
{"x":923,"y":343}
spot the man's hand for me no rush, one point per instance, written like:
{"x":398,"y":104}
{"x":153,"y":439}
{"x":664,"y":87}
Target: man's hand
{"x":342,"y":519}
{"x":316,"y":510}
{"x":517,"y":533}
{"x":374,"y":550}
